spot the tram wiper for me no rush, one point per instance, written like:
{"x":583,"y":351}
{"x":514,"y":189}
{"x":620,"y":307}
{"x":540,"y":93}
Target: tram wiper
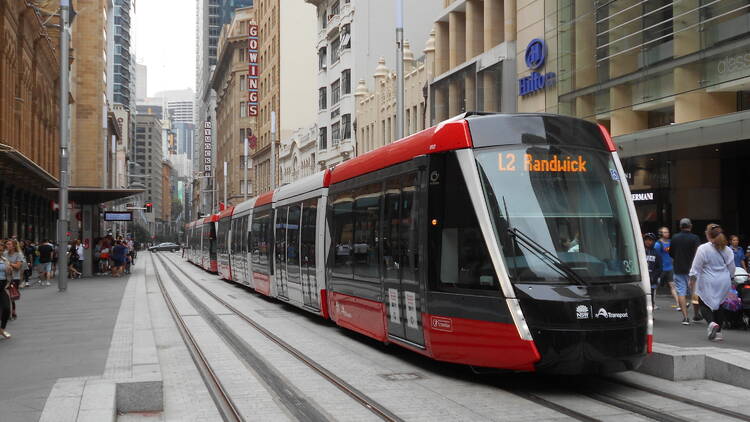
{"x":546,"y":255}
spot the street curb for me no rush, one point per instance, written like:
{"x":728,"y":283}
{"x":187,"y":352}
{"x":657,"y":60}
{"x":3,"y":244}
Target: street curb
{"x":728,"y":366}
{"x":132,"y":379}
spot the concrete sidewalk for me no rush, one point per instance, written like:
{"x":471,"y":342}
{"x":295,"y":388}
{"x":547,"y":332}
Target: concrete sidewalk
{"x":57,"y":335}
{"x":668,"y":329}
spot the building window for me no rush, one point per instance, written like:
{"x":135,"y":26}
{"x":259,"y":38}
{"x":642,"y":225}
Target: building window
{"x":242,"y":136}
{"x":346,"y":38}
{"x":346,"y":126}
{"x":335,"y":50}
{"x":243,"y":110}
{"x":334,"y":9}
{"x":243,"y":83}
{"x":335,"y":92}
{"x":322,"y":99}
{"x":346,"y":81}
{"x":322,"y":58}
{"x":242,"y":54}
{"x":335,"y":133}
{"x":323,"y":141}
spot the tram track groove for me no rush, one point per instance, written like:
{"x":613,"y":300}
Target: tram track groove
{"x":363,"y":399}
{"x":223,"y":402}
{"x":684,"y":400}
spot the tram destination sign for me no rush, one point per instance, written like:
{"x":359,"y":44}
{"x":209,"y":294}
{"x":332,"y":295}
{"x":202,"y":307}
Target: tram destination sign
{"x":511,"y":162}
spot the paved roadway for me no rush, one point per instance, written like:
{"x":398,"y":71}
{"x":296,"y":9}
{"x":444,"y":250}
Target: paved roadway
{"x":668,"y":329}
{"x":56,"y":335}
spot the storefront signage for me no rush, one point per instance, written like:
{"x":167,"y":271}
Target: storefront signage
{"x":509,"y":162}
{"x":118,"y":216}
{"x":642,"y":196}
{"x":253,"y":71}
{"x":536,"y":54}
{"x":207,"y":156}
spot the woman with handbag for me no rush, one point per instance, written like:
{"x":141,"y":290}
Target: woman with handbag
{"x":17,"y":261}
{"x":5,"y":304}
{"x":713,"y":270}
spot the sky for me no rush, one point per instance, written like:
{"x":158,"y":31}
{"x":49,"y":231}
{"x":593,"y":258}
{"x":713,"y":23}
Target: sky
{"x":165,"y":43}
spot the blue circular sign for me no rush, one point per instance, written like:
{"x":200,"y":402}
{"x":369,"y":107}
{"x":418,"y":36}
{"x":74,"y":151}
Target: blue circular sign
{"x":536,"y":52}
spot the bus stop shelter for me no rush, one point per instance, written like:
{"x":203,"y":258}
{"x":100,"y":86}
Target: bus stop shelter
{"x":89,"y":200}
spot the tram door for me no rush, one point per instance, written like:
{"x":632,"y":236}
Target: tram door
{"x":280,"y":252}
{"x":401,"y":246}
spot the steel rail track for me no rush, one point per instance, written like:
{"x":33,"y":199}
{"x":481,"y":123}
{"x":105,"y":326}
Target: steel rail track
{"x":224,"y":404}
{"x":691,"y":402}
{"x":369,"y":403}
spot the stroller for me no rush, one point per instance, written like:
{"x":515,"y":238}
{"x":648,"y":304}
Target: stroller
{"x":742,"y":283}
{"x":736,"y":306}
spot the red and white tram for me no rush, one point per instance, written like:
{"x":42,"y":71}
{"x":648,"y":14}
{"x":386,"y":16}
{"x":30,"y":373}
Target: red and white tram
{"x":201,"y":241}
{"x":502,"y":241}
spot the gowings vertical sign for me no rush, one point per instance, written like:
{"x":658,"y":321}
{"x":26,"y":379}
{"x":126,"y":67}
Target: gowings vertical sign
{"x":253,"y":71}
{"x":207,"y":149}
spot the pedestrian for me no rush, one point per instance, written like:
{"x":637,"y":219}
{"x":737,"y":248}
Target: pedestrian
{"x":46,"y":252}
{"x":667,"y":271}
{"x":682,"y":250}
{"x":28,"y":253}
{"x":80,"y":251}
{"x":738,"y":252}
{"x":5,"y":304}
{"x":653,"y":259}
{"x":119,"y":255}
{"x":73,"y":261}
{"x":14,"y":256}
{"x":712,"y":272}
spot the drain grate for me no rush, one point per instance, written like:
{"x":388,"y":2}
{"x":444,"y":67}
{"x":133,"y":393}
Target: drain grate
{"x":271,"y":313}
{"x":402,"y":376}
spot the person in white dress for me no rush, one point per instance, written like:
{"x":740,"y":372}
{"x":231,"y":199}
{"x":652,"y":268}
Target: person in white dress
{"x":713,"y":269}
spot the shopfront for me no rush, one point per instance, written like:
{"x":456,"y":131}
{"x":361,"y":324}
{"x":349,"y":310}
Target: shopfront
{"x":709,"y":184}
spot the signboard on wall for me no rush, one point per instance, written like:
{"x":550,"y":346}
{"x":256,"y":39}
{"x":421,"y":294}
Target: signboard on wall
{"x":207,"y":156}
{"x":536,"y":54}
{"x":253,"y":71}
{"x":118,"y":216}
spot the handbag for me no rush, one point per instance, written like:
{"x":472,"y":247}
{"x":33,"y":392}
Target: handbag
{"x":13,"y":291}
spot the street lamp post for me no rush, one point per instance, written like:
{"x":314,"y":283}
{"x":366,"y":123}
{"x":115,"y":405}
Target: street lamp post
{"x":399,"y":69}
{"x":62,"y":222}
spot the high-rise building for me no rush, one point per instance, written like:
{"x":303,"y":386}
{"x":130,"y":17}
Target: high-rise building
{"x":350,"y":40}
{"x":147,"y":156}
{"x":287,"y":80}
{"x":90,"y":150}
{"x":141,"y":82}
{"x":180,"y":111}
{"x":233,"y":122}
{"x":211,"y":15}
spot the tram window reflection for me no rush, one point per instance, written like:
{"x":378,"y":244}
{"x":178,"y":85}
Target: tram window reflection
{"x":365,"y":248}
{"x":342,"y":228}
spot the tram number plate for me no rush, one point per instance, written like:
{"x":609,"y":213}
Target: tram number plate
{"x":441,"y":324}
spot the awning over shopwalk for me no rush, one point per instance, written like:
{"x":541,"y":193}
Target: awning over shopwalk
{"x":92,"y":196}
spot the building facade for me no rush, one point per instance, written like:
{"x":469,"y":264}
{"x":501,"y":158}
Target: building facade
{"x":147,"y":157}
{"x":29,"y":115}
{"x":180,"y":111}
{"x":670,"y":80}
{"x":297,"y":155}
{"x":475,"y":58}
{"x":89,"y":147}
{"x":233,"y":122}
{"x":350,"y":41}
{"x":287,"y":76}
{"x":376,"y":110}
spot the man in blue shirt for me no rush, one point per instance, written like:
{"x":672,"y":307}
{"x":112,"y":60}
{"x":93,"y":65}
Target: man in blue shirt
{"x":667,"y":273}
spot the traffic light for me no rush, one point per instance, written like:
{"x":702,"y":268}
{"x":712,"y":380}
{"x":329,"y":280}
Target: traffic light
{"x":149,"y":206}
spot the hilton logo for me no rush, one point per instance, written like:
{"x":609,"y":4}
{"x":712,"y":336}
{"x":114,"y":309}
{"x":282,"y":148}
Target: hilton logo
{"x":536,"y":54}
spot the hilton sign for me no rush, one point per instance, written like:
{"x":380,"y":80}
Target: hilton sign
{"x":536,"y":53}
{"x":253,"y":71}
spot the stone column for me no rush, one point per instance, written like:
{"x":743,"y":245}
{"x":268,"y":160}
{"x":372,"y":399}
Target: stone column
{"x":456,"y":39}
{"x":494,"y":23}
{"x":510,"y":19}
{"x":474,"y":28}
{"x":441,"y":48}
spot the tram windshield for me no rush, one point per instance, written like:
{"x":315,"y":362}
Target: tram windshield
{"x":560,"y":214}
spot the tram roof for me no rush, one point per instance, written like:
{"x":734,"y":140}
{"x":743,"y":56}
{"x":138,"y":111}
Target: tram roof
{"x":446,"y":136}
{"x":306,"y":184}
{"x":245,"y":206}
{"x":227,"y":212}
{"x":264,"y":199}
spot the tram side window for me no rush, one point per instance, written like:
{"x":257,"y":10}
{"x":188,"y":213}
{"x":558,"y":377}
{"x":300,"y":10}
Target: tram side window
{"x":261,"y":247}
{"x":342,"y":229}
{"x":409,"y":228}
{"x":307,"y":239}
{"x":464,"y":261}
{"x":292,"y":243}
{"x":280,"y":237}
{"x":212,"y":239}
{"x":365,"y":249}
